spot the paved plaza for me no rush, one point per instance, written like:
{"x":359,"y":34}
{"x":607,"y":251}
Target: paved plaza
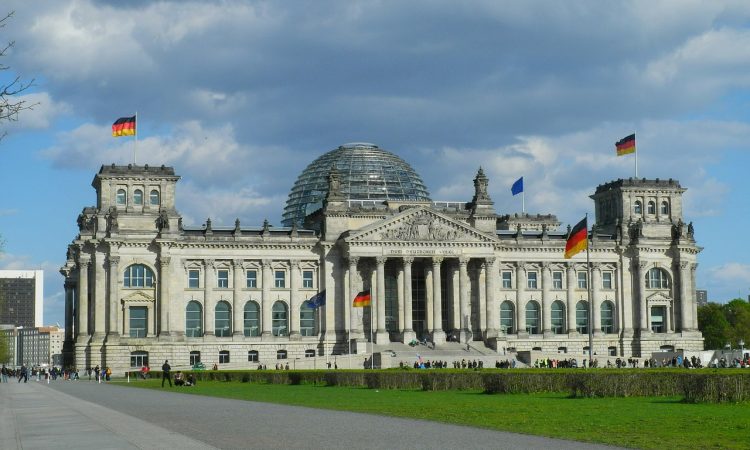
{"x":87,"y":415}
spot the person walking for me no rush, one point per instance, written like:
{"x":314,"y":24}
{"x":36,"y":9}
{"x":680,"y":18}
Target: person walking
{"x":165,"y":369}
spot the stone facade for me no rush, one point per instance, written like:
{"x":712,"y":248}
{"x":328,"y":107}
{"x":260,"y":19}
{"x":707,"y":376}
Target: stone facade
{"x":140,"y":285}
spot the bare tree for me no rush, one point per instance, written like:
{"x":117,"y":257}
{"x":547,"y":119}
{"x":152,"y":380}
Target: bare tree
{"x":10,"y":104}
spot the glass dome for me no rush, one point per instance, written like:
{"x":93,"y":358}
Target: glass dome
{"x":367,"y":173}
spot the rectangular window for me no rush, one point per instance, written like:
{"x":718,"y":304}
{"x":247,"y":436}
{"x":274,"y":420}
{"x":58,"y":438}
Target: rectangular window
{"x":507,"y":279}
{"x":252,"y":279}
{"x":531,"y":280}
{"x":280,"y":277}
{"x":138,"y":321}
{"x":222,"y":278}
{"x":582,"y":280}
{"x":194,"y":278}
{"x":195,"y":358}
{"x":307,"y":279}
{"x":224,"y":357}
{"x":252,"y":356}
{"x":557,"y":280}
{"x":606,"y":280}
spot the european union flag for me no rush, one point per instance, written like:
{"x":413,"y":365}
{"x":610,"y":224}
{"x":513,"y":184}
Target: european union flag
{"x":317,"y":300}
{"x":517,"y":187}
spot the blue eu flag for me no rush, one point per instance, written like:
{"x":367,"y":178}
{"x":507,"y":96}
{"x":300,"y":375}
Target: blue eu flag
{"x":317,"y":300}
{"x":517,"y":187}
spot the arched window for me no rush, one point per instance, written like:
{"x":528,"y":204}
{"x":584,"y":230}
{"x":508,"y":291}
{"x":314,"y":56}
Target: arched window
{"x":120,"y":198}
{"x":582,"y":317}
{"x":306,"y":320}
{"x":252,"y":319}
{"x":223,"y":320}
{"x":506,"y":317}
{"x":138,"y":359}
{"x":608,"y":317}
{"x":657,"y":278}
{"x":193,"y":319}
{"x":557,"y":323}
{"x":279,"y":318}
{"x":138,"y":197}
{"x":637,"y":207}
{"x":532,"y":317}
{"x":252,"y":356}
{"x":138,"y":275}
{"x":281,"y":354}
{"x":651,"y":208}
{"x":224,"y":357}
{"x":664,"y":208}
{"x":153,"y":197}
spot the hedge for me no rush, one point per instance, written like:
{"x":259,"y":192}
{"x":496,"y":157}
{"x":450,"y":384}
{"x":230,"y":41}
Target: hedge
{"x":714,"y":386}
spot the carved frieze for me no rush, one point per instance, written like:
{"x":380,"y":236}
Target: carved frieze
{"x":423,"y":227}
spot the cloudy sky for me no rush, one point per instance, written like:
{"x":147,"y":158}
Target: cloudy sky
{"x":240,"y":96}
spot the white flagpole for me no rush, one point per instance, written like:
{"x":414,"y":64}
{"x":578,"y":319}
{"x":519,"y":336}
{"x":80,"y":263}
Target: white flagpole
{"x":523,"y":201}
{"x":588,"y":291}
{"x":372,"y":346}
{"x":135,"y":146}
{"x":636,"y":160}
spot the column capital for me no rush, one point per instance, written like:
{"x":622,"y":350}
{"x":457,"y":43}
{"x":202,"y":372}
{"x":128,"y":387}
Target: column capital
{"x":437,"y":260}
{"x":463,"y":260}
{"x":84,"y":259}
{"x":490,"y":260}
{"x":570,"y":266}
{"x":164,"y":261}
{"x":266,"y":262}
{"x":113,"y":260}
{"x":293,"y":263}
{"x":238,"y":263}
{"x":353,"y":261}
{"x":683,"y":265}
{"x":545,"y":265}
{"x":694,"y":267}
{"x":408,"y":260}
{"x":642,"y":264}
{"x":209,"y":263}
{"x":380,"y":260}
{"x":521,"y":265}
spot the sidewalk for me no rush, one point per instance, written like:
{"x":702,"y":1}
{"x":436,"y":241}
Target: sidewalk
{"x":33,"y":416}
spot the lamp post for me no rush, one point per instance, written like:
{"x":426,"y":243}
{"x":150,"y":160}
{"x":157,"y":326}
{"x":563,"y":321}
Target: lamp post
{"x":741,"y":343}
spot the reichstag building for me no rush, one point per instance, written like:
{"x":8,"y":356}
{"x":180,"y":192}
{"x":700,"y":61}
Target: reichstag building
{"x":141,"y":287}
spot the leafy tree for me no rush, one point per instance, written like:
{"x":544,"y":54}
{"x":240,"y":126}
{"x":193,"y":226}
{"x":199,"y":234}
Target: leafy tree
{"x":738,"y":315}
{"x":10,"y":104}
{"x":714,"y":325}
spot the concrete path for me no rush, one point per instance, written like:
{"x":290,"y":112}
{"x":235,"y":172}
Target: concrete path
{"x":86,"y":415}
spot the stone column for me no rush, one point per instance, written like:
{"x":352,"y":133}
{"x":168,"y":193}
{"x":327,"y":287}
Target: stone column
{"x":438,"y":335}
{"x":114,"y":295}
{"x":381,"y":333}
{"x":409,"y":333}
{"x":520,"y":298}
{"x":686,"y":297}
{"x":164,"y":300}
{"x":463,"y":298}
{"x":82,"y":313}
{"x":267,"y":280}
{"x":294,"y":300}
{"x":546,"y":299}
{"x":208,"y":300}
{"x":150,"y":311}
{"x":570,"y":278}
{"x":493,"y":312}
{"x":596,"y":282}
{"x":355,"y":314}
{"x":481,"y":299}
{"x":693,"y":303}
{"x":400,"y":299}
{"x":100,"y":296}
{"x":238,"y":309}
{"x":643,"y":324}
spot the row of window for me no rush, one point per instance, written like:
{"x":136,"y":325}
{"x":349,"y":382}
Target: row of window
{"x":251,"y":278}
{"x":650,"y":207}
{"x":140,"y":358}
{"x":122,"y":199}
{"x":138,"y":275}
{"x":223,"y":320}
{"x":557,"y":319}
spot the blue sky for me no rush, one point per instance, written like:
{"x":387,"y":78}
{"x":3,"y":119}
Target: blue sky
{"x":240,"y":96}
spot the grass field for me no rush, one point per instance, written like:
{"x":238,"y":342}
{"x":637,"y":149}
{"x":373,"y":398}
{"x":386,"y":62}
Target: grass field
{"x":644,"y":422}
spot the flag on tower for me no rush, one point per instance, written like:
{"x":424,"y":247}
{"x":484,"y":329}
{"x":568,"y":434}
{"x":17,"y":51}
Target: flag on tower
{"x":517,"y":187}
{"x":626,"y":145}
{"x":362,"y":299}
{"x":577,"y":239}
{"x":124,"y":126}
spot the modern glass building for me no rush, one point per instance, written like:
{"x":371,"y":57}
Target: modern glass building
{"x":367,"y":173}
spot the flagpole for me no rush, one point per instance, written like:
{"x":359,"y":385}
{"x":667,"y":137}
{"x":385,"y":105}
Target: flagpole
{"x":372,"y":346}
{"x":135,"y":146}
{"x":523,"y":201}
{"x":588,"y":291}
{"x":636,"y":162}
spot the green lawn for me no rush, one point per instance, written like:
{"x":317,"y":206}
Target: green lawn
{"x":645,"y":422}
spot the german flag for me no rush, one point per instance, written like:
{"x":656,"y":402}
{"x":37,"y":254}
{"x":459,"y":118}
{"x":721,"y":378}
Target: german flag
{"x":124,"y":126}
{"x":577,"y":239}
{"x":626,"y":145}
{"x":362,"y":299}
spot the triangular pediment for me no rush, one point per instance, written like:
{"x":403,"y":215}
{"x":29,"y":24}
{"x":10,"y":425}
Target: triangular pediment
{"x":658,"y":297}
{"x":138,"y":297}
{"x":419,"y":225}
